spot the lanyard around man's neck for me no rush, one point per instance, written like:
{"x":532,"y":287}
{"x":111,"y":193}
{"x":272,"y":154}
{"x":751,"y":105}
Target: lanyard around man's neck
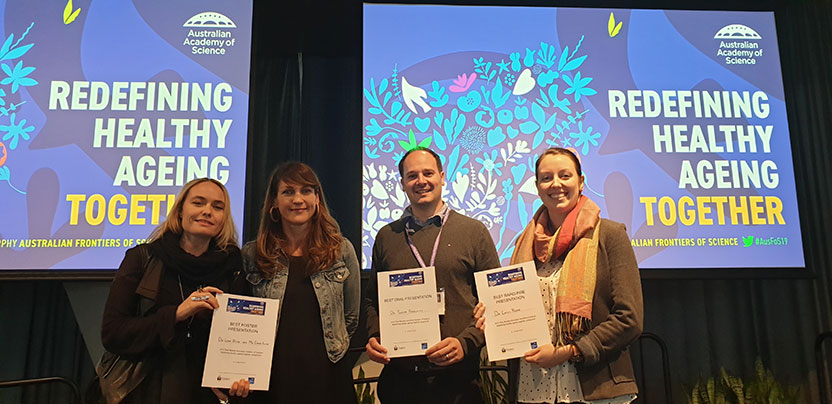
{"x":435,"y":243}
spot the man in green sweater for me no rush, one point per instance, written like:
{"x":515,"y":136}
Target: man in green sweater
{"x":429,"y":233}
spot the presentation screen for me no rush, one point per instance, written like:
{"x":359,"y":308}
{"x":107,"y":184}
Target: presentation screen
{"x":106,"y":109}
{"x":677,"y":116}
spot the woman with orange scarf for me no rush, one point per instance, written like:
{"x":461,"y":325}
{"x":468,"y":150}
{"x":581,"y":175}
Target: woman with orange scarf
{"x":591,"y":291}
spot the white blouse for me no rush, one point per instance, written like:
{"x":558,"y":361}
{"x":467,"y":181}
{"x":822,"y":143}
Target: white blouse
{"x":559,"y":384}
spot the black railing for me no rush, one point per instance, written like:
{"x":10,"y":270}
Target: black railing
{"x":668,"y":389}
{"x":363,"y":380}
{"x":823,"y":378}
{"x":76,"y":394}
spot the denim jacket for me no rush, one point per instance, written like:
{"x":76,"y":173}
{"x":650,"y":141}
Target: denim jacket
{"x":338,"y":290}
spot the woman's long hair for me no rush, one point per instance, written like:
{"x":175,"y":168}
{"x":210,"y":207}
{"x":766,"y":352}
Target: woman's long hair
{"x":173,"y":223}
{"x":323,"y":244}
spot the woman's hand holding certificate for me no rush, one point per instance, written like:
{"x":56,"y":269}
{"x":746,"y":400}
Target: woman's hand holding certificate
{"x":241,"y":343}
{"x":513,"y":314}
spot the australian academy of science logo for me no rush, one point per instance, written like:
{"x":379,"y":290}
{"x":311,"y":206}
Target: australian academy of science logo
{"x":738,"y":45}
{"x":209,"y":33}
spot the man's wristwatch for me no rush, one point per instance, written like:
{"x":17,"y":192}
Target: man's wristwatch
{"x":577,"y":356}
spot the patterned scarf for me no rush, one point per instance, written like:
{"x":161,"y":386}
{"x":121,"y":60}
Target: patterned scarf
{"x":212,"y":268}
{"x":578,"y":238}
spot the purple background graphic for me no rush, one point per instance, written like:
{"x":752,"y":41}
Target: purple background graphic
{"x":489,"y":161}
{"x":109,"y":41}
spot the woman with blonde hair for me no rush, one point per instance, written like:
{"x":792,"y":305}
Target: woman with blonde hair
{"x":162,"y":297}
{"x":591,"y":290}
{"x":301,"y":258}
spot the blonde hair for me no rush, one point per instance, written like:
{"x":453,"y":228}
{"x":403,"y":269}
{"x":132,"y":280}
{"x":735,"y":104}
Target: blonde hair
{"x":173,"y":223}
{"x":324,"y":242}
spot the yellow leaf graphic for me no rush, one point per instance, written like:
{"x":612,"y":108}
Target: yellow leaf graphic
{"x":610,"y":24}
{"x":612,"y":28}
{"x":69,"y":15}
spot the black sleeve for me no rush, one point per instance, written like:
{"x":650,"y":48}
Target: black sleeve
{"x":123,"y":331}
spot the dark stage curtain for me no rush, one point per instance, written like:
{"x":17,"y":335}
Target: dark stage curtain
{"x":707,"y":324}
{"x":306,"y":103}
{"x":39,"y":337}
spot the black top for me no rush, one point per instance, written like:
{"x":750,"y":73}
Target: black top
{"x":301,"y":370}
{"x":179,"y":346}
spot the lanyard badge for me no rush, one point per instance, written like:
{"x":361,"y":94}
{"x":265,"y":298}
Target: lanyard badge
{"x":440,"y":295}
{"x":435,"y":243}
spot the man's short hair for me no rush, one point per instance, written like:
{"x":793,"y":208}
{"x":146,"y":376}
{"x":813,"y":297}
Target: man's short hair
{"x":420,"y":148}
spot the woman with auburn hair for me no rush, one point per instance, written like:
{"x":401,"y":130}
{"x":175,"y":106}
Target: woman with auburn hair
{"x":301,"y":258}
{"x":162,"y":297}
{"x":591,"y":290}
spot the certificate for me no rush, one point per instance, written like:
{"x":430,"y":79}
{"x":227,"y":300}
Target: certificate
{"x":241,"y":342}
{"x":408,"y":312}
{"x":515,"y":321}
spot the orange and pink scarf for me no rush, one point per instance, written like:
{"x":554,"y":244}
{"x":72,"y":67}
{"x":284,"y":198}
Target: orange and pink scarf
{"x":577,"y":238}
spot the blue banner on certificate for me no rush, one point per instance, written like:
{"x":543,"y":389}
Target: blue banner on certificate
{"x":515,"y":320}
{"x":241,"y":343}
{"x":506,"y":276}
{"x":408,"y":316}
{"x":407,"y":279}
{"x":246,"y":306}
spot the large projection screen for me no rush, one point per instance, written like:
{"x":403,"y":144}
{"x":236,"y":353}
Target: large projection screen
{"x":678,"y":116}
{"x":106,"y":109}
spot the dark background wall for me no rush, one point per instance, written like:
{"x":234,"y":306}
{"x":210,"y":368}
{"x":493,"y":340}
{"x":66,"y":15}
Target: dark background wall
{"x":306,"y":105}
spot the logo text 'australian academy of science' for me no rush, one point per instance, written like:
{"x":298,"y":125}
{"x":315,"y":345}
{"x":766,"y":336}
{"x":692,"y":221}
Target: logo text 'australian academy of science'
{"x":738,"y":45}
{"x":209,"y":33}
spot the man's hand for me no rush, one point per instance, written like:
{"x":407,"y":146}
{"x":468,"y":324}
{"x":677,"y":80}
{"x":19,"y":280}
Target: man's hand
{"x":446,"y":352}
{"x":376,"y":352}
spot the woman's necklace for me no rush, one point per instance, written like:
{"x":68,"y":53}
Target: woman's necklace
{"x":182,"y":295}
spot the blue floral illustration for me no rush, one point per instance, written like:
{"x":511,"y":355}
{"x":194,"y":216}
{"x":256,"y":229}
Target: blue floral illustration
{"x":489,"y":163}
{"x":584,"y":137}
{"x":488,"y":125}
{"x":10,"y":50}
{"x":507,"y":188}
{"x":503,"y":65}
{"x":17,"y":77}
{"x":5,"y":175}
{"x":473,"y":139}
{"x":16,"y":131}
{"x":515,"y":61}
{"x":438,"y":94}
{"x":578,"y":86}
{"x":470,"y":102}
